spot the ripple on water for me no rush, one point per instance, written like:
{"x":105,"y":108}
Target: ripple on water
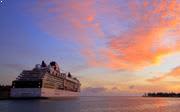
{"x":93,"y":104}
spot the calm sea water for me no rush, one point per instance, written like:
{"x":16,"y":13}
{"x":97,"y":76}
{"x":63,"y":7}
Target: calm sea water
{"x":93,"y":104}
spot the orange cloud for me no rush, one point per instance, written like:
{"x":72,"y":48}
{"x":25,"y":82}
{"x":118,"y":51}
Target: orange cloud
{"x":140,"y":45}
{"x":173,"y":73}
{"x":143,"y":43}
{"x":90,"y":18}
{"x":69,"y":20}
{"x":156,"y":79}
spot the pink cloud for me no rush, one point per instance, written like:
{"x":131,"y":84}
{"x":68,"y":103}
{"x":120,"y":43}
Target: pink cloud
{"x":173,"y":73}
{"x":142,"y":44}
{"x":139,"y":46}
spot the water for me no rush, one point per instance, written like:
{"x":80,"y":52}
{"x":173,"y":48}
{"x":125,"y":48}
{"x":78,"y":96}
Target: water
{"x":93,"y":104}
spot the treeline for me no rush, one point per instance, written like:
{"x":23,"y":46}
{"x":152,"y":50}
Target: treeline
{"x":5,"y":91}
{"x":162,"y":94}
{"x":5,"y":87}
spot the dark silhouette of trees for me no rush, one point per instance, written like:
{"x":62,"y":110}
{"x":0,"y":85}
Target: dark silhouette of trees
{"x":5,"y":91}
{"x":162,"y":94}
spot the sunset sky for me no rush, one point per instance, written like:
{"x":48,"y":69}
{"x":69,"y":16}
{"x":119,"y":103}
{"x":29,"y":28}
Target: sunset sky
{"x":115,"y":47}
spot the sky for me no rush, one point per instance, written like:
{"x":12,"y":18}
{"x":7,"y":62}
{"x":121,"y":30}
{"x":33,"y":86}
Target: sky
{"x":115,"y":47}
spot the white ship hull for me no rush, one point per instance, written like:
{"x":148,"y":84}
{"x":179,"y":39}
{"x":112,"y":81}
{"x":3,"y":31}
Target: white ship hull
{"x":41,"y":93}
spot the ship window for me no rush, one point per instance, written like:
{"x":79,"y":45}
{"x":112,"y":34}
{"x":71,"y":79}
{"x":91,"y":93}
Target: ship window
{"x":27,"y":84}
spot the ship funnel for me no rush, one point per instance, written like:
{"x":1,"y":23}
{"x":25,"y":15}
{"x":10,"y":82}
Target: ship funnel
{"x":43,"y":64}
{"x":55,"y":66}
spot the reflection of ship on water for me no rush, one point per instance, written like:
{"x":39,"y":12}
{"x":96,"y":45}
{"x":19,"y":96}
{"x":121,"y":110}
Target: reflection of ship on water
{"x":45,"y":81}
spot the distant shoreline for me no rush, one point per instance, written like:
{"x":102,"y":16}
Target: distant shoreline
{"x":162,"y":94}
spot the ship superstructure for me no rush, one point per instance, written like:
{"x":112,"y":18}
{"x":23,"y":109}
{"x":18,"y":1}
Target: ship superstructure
{"x":45,"y":81}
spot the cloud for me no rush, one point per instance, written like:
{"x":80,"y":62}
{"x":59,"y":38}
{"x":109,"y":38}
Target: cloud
{"x":103,"y":91}
{"x":142,"y":28}
{"x":115,"y":89}
{"x":142,"y":44}
{"x":173,"y":73}
{"x":93,"y":91}
{"x":68,"y":19}
{"x":146,"y":41}
{"x":131,"y":87}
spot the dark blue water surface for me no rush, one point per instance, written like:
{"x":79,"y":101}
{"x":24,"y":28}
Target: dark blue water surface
{"x":93,"y":104}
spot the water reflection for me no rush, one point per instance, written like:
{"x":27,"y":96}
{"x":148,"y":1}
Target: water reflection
{"x":65,"y":105}
{"x":93,"y":104}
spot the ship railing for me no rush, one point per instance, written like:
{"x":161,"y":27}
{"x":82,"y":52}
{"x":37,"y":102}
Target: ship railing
{"x":31,"y":72}
{"x":30,"y":77}
{"x":73,"y":80}
{"x":18,"y":78}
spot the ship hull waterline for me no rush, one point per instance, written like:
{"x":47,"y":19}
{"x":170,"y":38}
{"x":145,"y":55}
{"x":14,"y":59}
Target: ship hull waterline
{"x":41,"y":93}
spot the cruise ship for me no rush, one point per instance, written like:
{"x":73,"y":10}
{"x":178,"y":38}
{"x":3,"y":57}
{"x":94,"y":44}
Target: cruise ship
{"x":45,"y":81}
